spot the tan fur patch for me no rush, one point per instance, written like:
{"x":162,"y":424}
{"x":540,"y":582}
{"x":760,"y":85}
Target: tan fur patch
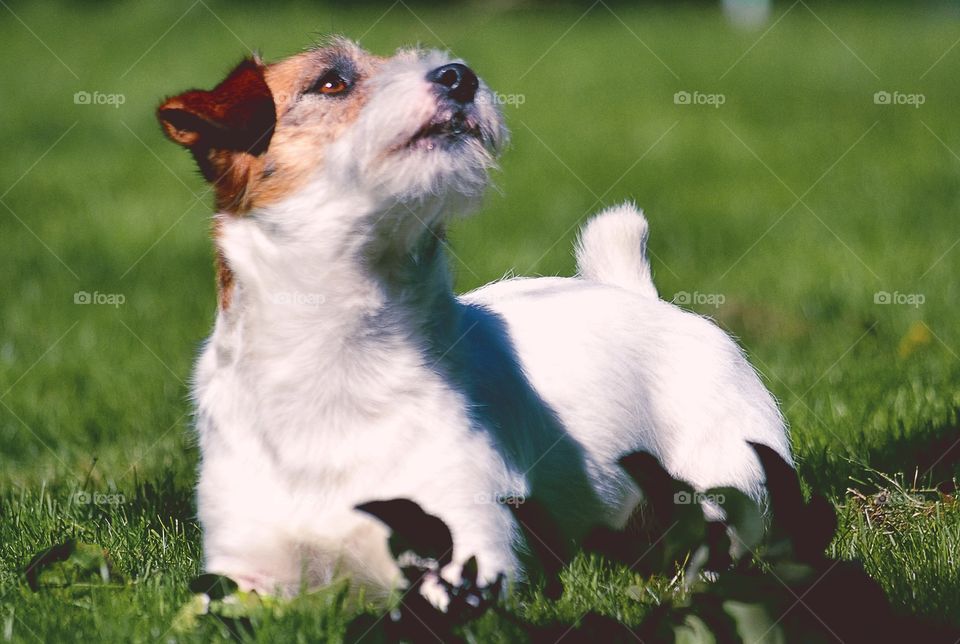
{"x":225,"y":278}
{"x":306,"y":123}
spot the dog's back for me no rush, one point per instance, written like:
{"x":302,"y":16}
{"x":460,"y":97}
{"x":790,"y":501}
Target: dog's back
{"x":625,"y":371}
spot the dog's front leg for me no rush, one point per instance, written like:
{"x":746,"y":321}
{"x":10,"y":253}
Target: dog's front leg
{"x":487,"y":533}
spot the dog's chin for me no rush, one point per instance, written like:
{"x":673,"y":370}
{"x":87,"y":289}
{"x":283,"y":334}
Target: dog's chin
{"x":446,"y":160}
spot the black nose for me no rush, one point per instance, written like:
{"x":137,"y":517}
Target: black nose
{"x":459,"y":81}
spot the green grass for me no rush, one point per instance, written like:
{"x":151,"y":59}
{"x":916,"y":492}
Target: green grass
{"x":94,"y":397}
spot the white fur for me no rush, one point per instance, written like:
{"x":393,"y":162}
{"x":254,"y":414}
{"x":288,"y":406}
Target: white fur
{"x":612,"y":250}
{"x":346,"y":370}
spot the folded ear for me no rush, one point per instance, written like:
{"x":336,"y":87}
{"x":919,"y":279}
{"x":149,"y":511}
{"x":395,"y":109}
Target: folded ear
{"x":236,"y":115}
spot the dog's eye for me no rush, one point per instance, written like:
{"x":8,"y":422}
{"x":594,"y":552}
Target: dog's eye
{"x":330,"y":84}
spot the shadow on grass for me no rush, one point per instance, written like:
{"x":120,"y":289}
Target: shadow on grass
{"x":927,"y":458}
{"x":169,"y":498}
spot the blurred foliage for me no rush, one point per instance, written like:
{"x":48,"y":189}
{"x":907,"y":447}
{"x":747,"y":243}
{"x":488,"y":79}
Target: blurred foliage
{"x":778,"y":586}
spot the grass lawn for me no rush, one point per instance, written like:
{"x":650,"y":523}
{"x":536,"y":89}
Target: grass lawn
{"x":786,"y":213}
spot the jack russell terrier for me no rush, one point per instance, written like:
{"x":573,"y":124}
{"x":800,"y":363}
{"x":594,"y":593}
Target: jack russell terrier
{"x":342,"y":367}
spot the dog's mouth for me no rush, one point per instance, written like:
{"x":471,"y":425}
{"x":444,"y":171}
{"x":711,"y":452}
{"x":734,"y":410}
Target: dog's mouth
{"x":446,"y":128}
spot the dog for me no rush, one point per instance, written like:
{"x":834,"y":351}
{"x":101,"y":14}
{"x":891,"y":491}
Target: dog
{"x":342,"y":368}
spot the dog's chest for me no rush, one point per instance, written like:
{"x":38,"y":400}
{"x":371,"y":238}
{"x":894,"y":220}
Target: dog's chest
{"x":381,"y":424}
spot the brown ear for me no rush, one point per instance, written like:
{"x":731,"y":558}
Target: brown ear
{"x":236,"y":115}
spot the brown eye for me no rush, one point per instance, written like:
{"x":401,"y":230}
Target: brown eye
{"x":330,"y":84}
{"x":333,"y":86}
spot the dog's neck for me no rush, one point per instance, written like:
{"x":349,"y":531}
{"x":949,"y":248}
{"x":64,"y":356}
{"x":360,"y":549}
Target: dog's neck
{"x":354,"y":290}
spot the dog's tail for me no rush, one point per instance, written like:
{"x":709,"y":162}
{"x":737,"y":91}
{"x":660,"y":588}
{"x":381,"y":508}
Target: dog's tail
{"x":612,"y":249}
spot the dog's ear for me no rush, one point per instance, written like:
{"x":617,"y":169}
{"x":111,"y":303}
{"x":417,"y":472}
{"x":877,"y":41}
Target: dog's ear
{"x":238,"y":115}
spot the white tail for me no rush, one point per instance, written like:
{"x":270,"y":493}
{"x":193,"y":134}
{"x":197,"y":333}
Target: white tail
{"x":612,"y":249}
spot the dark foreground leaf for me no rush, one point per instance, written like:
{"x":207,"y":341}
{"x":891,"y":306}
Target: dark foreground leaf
{"x":70,"y":564}
{"x":413,"y":531}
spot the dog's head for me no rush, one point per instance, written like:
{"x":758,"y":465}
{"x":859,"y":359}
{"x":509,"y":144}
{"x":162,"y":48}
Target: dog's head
{"x":337,"y":125}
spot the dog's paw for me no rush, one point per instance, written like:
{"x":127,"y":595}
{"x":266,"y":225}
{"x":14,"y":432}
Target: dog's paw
{"x":434,"y":592}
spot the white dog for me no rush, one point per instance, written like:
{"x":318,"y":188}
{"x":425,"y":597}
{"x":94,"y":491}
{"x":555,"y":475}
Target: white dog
{"x":343,"y":368}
